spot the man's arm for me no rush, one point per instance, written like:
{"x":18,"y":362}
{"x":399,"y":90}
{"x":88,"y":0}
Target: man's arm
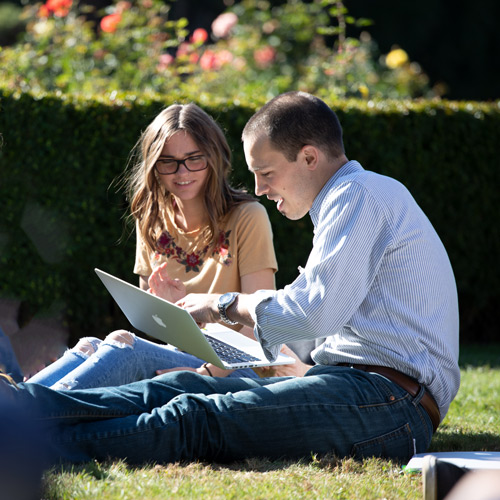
{"x":203,"y":308}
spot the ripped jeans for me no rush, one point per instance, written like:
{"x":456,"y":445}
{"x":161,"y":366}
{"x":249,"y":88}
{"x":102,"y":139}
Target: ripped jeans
{"x":120,"y":359}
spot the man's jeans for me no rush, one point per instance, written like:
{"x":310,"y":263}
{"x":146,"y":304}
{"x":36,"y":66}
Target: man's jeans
{"x":187,"y":416}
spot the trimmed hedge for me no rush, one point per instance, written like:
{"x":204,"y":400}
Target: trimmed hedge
{"x":62,"y":217}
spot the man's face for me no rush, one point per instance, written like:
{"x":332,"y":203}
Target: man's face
{"x":283,"y":181}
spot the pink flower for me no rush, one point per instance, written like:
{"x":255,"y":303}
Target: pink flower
{"x":224,"y":57}
{"x":264,"y":56}
{"x":99,"y":54}
{"x":122,"y":6}
{"x":211,"y":60}
{"x":223,"y":24}
{"x":110,"y":23}
{"x":184,"y":49}
{"x":199,"y":36}
{"x":164,"y":61}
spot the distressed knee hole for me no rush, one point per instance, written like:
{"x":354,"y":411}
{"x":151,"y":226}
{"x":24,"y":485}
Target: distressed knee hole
{"x":84,"y":346}
{"x":62,"y":386}
{"x":121,"y":338}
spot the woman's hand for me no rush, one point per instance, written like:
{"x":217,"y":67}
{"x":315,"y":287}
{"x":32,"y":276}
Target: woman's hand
{"x":163,"y":286}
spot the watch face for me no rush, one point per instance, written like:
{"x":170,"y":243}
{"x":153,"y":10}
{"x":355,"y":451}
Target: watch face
{"x":225,"y":299}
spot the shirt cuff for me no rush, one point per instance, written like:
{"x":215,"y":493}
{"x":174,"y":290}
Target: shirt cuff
{"x":256,"y":308}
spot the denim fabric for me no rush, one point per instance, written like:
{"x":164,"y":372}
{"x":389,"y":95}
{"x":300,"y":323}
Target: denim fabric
{"x":8,"y":360}
{"x":116,"y":363}
{"x":187,"y":416}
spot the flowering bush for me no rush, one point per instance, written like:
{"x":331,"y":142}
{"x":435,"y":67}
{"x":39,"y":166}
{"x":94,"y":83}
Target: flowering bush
{"x":252,"y":50}
{"x":63,"y":50}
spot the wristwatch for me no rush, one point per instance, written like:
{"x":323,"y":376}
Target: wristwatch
{"x":224,"y":302}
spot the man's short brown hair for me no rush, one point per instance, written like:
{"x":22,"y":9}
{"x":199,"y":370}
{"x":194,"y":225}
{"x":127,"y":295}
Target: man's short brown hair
{"x":295,"y":119}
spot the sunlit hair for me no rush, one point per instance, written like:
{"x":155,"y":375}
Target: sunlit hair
{"x":150,"y":201}
{"x":295,"y":119}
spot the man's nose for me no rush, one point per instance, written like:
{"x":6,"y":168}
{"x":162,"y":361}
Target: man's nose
{"x":260,"y":187}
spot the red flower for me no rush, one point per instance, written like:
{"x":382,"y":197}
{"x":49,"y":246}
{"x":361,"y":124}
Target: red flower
{"x":43,"y":11}
{"x":164,"y":240}
{"x":109,"y":23}
{"x":192,"y":259}
{"x":264,"y":56}
{"x":208,"y":60}
{"x":60,"y":8}
{"x":199,"y":36}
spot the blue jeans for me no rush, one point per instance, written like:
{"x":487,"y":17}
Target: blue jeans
{"x":8,"y":360}
{"x":186,"y":416}
{"x":116,"y":363}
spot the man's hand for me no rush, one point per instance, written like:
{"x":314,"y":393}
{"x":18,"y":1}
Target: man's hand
{"x":298,"y":369}
{"x":163,"y":286}
{"x":201,"y":306}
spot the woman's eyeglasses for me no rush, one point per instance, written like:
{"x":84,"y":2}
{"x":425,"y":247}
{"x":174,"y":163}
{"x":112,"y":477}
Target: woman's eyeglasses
{"x":169,"y":166}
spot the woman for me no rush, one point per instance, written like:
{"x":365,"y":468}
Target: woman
{"x":211,"y":237}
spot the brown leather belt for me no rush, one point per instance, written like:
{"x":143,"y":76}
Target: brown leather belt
{"x":407,"y":383}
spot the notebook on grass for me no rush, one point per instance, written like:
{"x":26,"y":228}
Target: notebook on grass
{"x":165,"y":321}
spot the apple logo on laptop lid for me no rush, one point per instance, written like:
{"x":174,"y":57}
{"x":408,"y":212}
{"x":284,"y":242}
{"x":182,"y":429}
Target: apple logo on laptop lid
{"x":159,"y":320}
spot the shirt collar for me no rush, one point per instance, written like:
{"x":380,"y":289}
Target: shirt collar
{"x":346,"y":169}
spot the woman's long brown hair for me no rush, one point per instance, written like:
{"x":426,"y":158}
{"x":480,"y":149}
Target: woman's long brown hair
{"x":150,"y":202}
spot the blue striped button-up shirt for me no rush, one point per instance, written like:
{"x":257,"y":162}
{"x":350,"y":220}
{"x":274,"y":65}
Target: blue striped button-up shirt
{"x":378,"y":284}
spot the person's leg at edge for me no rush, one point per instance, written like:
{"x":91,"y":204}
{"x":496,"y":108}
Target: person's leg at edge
{"x":8,"y":360}
{"x":186,"y":416}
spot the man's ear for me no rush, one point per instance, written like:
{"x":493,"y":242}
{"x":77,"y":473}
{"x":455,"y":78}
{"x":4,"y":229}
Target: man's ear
{"x":310,"y":156}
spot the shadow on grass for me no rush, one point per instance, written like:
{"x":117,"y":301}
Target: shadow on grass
{"x":101,"y":471}
{"x":460,"y":441}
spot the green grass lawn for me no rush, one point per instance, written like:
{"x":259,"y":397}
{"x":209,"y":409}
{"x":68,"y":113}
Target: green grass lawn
{"x":472,"y":424}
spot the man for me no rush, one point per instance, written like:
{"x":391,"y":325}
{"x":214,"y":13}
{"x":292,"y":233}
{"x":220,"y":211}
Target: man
{"x":378,"y":285}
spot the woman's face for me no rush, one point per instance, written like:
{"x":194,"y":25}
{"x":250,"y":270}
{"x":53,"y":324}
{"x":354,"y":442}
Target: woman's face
{"x":184,"y":184}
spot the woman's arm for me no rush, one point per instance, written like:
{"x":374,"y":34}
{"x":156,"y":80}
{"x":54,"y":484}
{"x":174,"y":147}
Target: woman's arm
{"x":143,"y":282}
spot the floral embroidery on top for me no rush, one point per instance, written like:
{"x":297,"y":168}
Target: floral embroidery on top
{"x":165,"y":245}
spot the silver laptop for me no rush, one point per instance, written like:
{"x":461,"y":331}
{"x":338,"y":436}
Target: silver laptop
{"x":165,"y":321}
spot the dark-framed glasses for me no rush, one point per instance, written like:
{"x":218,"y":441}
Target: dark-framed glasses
{"x":169,"y":166}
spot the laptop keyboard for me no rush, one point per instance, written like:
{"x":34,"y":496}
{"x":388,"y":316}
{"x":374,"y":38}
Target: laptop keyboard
{"x":228,"y":353}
